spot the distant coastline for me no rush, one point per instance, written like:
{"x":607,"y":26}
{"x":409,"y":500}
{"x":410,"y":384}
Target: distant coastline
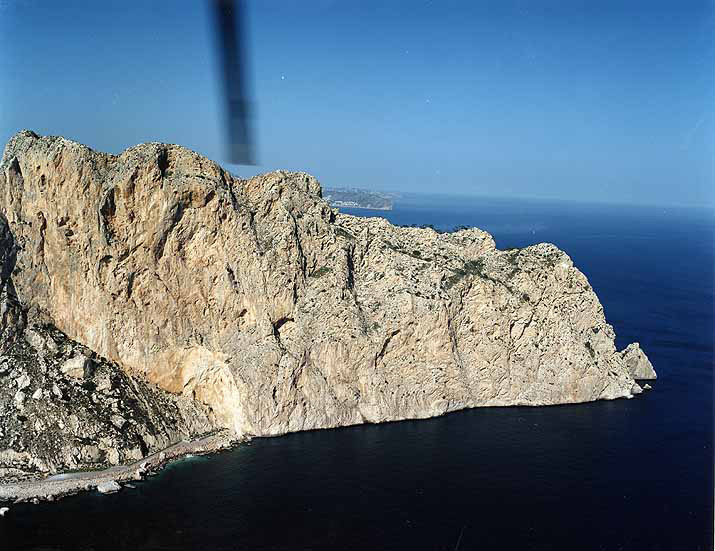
{"x":359,"y":198}
{"x":353,"y":205}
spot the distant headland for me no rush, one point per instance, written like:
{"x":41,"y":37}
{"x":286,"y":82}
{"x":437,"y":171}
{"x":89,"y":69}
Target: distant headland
{"x":359,"y":198}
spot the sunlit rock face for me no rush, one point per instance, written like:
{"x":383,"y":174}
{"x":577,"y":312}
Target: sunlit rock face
{"x":637,"y":362}
{"x":256,"y":299}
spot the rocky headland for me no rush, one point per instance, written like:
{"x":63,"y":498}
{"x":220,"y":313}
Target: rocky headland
{"x":151,"y":299}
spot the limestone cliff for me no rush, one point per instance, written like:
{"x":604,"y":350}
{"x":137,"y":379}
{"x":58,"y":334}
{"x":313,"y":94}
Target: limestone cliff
{"x":64,"y":408}
{"x":256,"y":299}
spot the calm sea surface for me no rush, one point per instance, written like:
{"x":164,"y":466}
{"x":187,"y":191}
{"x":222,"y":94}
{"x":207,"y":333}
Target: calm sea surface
{"x":628,"y":474}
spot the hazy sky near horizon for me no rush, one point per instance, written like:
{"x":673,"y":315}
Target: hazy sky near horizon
{"x":590,"y":101}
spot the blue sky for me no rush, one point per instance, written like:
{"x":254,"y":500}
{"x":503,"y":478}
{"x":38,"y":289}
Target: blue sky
{"x":590,"y":101}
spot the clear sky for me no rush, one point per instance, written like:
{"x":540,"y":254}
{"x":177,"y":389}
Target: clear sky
{"x":593,"y":101}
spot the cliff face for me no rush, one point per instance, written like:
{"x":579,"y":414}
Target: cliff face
{"x":256,"y":299}
{"x":63,"y":408}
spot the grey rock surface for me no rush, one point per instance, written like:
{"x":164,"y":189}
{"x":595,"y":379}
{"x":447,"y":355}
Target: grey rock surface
{"x":69,"y":424}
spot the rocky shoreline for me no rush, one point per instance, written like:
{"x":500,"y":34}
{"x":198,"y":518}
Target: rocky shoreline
{"x":61,"y":485}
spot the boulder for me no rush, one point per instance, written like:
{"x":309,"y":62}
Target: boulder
{"x":23,"y":381}
{"x":77,"y":367}
{"x":41,"y":343}
{"x":20,"y":397}
{"x":108,"y":487}
{"x":92,"y":453}
{"x":118,"y":421}
{"x":113,"y":456}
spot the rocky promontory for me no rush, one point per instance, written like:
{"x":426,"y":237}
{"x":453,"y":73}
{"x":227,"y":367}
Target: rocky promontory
{"x":151,"y":297}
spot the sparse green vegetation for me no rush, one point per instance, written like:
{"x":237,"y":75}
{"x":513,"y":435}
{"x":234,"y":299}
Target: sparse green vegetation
{"x":552,"y":260}
{"x":414,"y":254}
{"x":512,"y":260}
{"x":475,"y":268}
{"x":321,"y":271}
{"x":590,"y":350}
{"x":344,"y":233}
{"x":470,"y":267}
{"x":391,"y":246}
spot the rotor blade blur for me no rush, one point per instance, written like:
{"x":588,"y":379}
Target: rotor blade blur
{"x":231,"y":57}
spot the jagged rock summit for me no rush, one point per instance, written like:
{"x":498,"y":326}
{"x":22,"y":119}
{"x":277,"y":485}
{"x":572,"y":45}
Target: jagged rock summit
{"x":273,"y":312}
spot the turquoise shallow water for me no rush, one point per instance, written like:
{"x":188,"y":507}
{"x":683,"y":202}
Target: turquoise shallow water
{"x":628,"y":474}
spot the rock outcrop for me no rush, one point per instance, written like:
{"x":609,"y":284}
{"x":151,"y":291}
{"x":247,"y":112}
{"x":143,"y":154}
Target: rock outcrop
{"x":637,"y":363}
{"x":259,"y":303}
{"x":108,"y":487}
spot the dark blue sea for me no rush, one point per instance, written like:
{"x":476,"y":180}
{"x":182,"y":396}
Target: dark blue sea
{"x":622,"y":475}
